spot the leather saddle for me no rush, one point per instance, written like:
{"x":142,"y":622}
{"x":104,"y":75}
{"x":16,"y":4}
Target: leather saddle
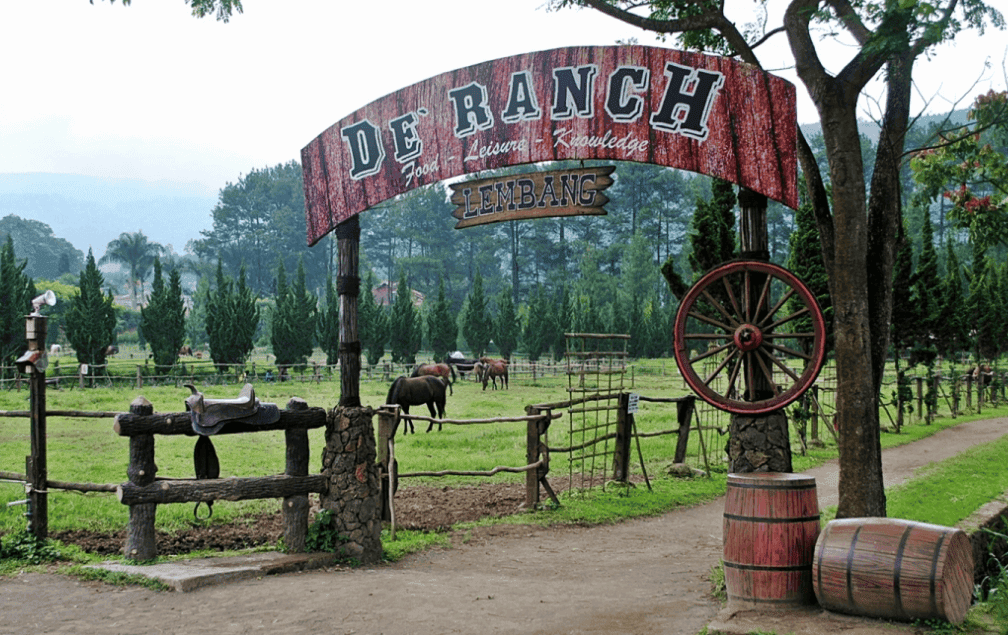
{"x":208,"y":416}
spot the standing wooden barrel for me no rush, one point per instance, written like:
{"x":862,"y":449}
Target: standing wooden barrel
{"x":771,"y":522}
{"x":892,"y":568}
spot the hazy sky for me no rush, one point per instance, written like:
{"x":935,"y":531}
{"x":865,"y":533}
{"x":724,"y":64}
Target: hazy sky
{"x":147,"y":91}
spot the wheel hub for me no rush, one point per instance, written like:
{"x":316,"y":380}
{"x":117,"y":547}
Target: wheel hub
{"x":748,"y":337}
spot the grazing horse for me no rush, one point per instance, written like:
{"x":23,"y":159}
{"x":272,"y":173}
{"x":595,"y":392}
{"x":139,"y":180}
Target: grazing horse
{"x":185,"y":350}
{"x":982,"y":374}
{"x":462,"y":365}
{"x":413,"y":391}
{"x":436,"y":370}
{"x":491,"y":369}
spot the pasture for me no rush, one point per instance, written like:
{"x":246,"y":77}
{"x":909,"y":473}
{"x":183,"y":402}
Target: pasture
{"x":88,"y":450}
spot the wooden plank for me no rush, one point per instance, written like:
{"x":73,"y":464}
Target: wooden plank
{"x":229,"y":489}
{"x":129,"y":424}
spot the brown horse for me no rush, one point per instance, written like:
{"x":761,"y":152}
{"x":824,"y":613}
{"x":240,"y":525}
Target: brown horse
{"x":490,"y":369}
{"x":437,"y":370}
{"x":413,"y":391}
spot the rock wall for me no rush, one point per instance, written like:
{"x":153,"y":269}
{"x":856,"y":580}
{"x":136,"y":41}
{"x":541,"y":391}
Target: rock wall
{"x":354,"y":488}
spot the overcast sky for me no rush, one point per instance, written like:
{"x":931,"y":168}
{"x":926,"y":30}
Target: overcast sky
{"x":147,"y":91}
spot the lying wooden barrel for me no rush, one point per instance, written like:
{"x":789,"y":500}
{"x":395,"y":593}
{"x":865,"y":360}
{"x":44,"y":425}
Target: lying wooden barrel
{"x":892,"y":568}
{"x":771,"y":522}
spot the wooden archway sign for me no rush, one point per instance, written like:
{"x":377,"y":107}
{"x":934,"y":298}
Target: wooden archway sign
{"x":690,"y":111}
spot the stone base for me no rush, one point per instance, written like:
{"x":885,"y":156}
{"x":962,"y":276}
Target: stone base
{"x":759,"y":444}
{"x":354,"y":488}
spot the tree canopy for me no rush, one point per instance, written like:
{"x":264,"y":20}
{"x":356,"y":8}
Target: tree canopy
{"x":857,"y":230}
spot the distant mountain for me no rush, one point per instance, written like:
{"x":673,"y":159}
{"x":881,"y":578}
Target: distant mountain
{"x":870,"y":129}
{"x":90,"y":211}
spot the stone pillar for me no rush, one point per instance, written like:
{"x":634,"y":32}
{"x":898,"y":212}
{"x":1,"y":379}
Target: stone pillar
{"x":354,"y":496}
{"x":759,"y":444}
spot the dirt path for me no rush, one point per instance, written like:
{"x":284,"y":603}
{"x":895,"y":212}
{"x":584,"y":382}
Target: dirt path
{"x":644,"y":576}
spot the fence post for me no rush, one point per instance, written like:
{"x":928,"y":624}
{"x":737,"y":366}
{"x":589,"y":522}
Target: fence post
{"x":35,"y":464}
{"x":531,"y":456}
{"x":815,"y":412}
{"x":969,"y":391}
{"x":920,"y":397}
{"x":621,"y":455}
{"x":295,"y":508}
{"x":139,"y":382}
{"x":684,"y":413}
{"x":388,"y":421}
{"x":141,"y":543}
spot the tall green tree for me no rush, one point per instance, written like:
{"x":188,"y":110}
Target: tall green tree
{"x":561,"y":322}
{"x":951,"y":332}
{"x":16,"y":293}
{"x":713,"y":236}
{"x":163,"y":319}
{"x":48,"y":256}
{"x":328,"y":324}
{"x":536,"y":333}
{"x":506,"y":326}
{"x":232,"y":319}
{"x":477,"y":324}
{"x":442,"y":331}
{"x":805,"y":261}
{"x":405,"y":325}
{"x":373,"y":323}
{"x":858,"y":225}
{"x":283,"y":325}
{"x":137,"y":252}
{"x":91,"y":319}
{"x":926,"y":293}
{"x":196,"y":331}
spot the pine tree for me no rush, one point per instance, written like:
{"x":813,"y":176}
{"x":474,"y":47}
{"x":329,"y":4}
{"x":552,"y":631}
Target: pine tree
{"x":561,"y":322}
{"x":506,"y":326}
{"x":713,"y":237}
{"x":91,"y":318}
{"x":232,"y":319}
{"x":904,"y":313}
{"x":536,"y":333}
{"x":405,"y":332}
{"x":925,"y":296}
{"x":950,"y":327}
{"x":16,"y":293}
{"x":372,"y":325}
{"x":805,"y":261}
{"x":284,"y":324}
{"x":163,"y":319}
{"x":305,"y":316}
{"x":328,"y":324}
{"x":442,"y":331}
{"x":476,"y":322}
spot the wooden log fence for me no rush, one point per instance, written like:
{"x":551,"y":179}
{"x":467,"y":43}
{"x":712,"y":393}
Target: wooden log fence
{"x":144,"y":492}
{"x":537,"y":454}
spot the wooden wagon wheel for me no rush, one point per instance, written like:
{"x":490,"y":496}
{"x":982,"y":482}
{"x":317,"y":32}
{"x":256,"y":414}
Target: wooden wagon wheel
{"x":753,"y":321}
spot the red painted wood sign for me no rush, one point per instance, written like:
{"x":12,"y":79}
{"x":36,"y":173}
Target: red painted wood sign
{"x":690,"y":111}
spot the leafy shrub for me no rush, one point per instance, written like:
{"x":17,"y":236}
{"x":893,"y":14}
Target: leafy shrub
{"x":27,"y":547}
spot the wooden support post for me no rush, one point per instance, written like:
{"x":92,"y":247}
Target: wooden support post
{"x":815,"y":413}
{"x":969,"y":391}
{"x":388,"y":420}
{"x":920,"y":397}
{"x":684,"y":414}
{"x":531,"y":456}
{"x":36,"y":468}
{"x":141,"y":543}
{"x":624,"y":431}
{"x":348,"y":287}
{"x":295,"y":508}
{"x":139,"y":381}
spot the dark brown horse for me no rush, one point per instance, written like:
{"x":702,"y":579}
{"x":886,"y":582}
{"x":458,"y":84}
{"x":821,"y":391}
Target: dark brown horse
{"x":413,"y":391}
{"x":437,"y":370}
{"x":490,"y":369}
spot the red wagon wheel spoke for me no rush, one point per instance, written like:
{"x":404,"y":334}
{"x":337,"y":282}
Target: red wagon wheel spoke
{"x":733,"y":324}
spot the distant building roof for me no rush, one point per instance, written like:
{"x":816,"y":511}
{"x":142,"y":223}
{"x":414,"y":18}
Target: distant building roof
{"x":385,"y":293}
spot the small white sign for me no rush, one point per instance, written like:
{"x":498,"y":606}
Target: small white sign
{"x":634,"y":400}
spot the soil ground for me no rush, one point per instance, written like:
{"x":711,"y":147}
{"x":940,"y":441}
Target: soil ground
{"x":640,"y":576}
